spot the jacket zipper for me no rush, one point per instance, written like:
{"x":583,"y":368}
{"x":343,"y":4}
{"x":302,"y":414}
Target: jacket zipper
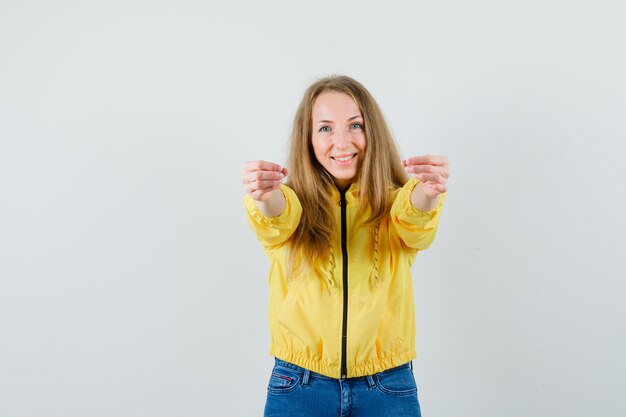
{"x":344,"y":251}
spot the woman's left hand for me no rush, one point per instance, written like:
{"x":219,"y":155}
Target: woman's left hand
{"x":431,"y":170}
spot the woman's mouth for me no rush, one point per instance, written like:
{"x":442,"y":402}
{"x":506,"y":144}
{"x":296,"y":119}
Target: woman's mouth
{"x":344,"y":160}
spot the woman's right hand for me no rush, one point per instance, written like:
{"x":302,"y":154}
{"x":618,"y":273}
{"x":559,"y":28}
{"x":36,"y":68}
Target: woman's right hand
{"x":260,"y":178}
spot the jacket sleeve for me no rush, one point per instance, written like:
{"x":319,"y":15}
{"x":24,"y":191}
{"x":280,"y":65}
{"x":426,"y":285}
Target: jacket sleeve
{"x":274,"y":231}
{"x":415,"y":228}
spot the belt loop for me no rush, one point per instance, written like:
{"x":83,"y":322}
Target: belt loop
{"x":411,"y":365}
{"x":305,"y":377}
{"x":370,"y":381}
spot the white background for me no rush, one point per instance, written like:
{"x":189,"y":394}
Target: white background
{"x":130,"y":283}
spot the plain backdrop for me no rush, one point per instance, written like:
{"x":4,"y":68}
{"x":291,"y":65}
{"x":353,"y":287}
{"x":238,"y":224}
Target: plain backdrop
{"x":130,"y":283}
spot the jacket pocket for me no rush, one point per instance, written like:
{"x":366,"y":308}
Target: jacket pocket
{"x":398,"y":381}
{"x":283,"y":380}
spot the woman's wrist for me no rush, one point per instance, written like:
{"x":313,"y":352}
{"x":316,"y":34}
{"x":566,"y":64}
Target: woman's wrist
{"x":274,"y":205}
{"x":421,"y":201}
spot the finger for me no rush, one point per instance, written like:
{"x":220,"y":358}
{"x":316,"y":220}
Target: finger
{"x":262,"y":166}
{"x":261,"y":195}
{"x":442,"y":188}
{"x":262,"y":176}
{"x":262,"y":184}
{"x":439,"y":160}
{"x":259,"y":192}
{"x":430,"y":169}
{"x":435,"y":178}
{"x":433,"y":189}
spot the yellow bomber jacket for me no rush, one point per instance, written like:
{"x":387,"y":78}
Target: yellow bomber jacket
{"x":352,"y":315}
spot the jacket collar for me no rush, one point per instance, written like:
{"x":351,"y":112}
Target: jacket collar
{"x":352,"y":194}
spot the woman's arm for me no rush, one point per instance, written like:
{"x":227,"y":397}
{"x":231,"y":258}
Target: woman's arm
{"x":417,"y":205}
{"x":272,"y":208}
{"x":433,"y":172}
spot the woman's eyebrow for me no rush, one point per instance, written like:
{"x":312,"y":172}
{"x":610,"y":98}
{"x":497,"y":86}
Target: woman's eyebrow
{"x":330,"y":121}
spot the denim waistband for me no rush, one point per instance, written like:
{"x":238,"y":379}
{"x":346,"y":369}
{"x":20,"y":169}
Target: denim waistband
{"x":301,"y":369}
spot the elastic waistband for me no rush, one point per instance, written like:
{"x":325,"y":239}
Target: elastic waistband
{"x":301,"y":369}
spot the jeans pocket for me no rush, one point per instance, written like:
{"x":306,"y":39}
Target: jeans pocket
{"x":283,"y":380}
{"x":397,"y":381}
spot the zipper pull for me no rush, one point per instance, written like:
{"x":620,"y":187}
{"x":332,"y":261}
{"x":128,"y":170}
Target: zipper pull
{"x":342,"y":198}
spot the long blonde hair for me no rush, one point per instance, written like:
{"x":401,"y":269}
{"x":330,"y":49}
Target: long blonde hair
{"x":380,"y":172}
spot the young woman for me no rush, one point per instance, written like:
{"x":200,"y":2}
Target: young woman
{"x":341,"y":236}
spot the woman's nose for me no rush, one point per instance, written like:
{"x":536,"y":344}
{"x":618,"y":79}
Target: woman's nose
{"x":342,"y":139}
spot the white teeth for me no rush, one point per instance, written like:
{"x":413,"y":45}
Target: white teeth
{"x":344,"y":158}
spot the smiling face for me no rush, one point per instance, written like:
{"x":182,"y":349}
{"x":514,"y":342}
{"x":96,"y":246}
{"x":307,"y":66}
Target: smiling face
{"x":338,"y":136}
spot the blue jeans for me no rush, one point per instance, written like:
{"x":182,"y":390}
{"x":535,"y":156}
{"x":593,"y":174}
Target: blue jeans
{"x":295,"y":391}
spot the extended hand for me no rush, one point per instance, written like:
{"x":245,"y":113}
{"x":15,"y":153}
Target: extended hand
{"x":260,"y":178}
{"x":431,"y":170}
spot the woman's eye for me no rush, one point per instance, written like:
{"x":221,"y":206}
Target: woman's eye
{"x":324,"y":129}
{"x":357,"y":126}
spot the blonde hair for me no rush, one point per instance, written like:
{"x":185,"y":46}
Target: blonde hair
{"x":380,"y":172}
